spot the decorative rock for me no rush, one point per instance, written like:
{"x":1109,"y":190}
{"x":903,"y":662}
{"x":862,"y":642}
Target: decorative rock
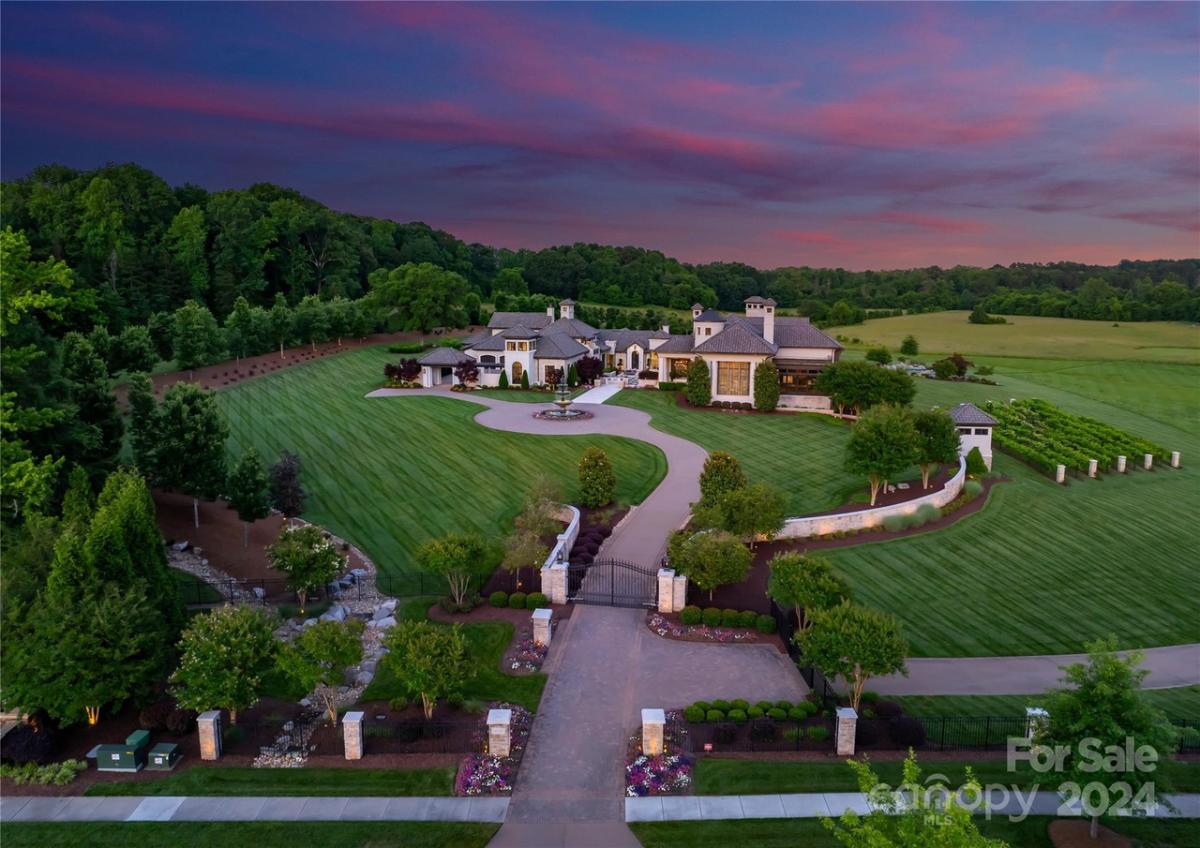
{"x":499,"y":724}
{"x":389,"y":605}
{"x":847,"y":727}
{"x":383,"y":623}
{"x":359,"y":573}
{"x":654,"y":723}
{"x":260,"y":593}
{"x":1120,"y":465}
{"x":337,"y":612}
{"x":369,"y":665}
{"x":180,"y":546}
{"x":309,"y":622}
{"x":305,"y":702}
{"x":541,"y":626}
{"x":363,"y":678}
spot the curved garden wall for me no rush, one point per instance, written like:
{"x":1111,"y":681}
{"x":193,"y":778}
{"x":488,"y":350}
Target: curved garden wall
{"x":567,"y":537}
{"x":820,"y":525}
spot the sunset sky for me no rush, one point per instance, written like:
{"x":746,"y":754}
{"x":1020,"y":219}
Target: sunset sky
{"x":861,"y":136}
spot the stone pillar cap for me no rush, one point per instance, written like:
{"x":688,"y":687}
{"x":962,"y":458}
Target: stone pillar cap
{"x":846,"y":712}
{"x":499,"y":717}
{"x":541,"y":613}
{"x":664,"y":572}
{"x":352,"y":717}
{"x":654,"y":717}
{"x":209,"y":715}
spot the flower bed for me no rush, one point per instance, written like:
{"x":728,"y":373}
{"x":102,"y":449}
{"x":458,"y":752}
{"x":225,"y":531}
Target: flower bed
{"x":669,"y":773}
{"x":524,"y":654}
{"x":673,"y":629}
{"x":483,"y":774}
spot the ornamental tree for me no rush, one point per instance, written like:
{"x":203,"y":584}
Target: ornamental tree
{"x":937,"y":441}
{"x":456,"y":557}
{"x":525,"y":380}
{"x":766,"y":386}
{"x":597,"y":481}
{"x":855,"y":643}
{"x":909,"y":346}
{"x":753,"y":511}
{"x":197,"y":340}
{"x":248,"y":491}
{"x":854,"y":385}
{"x":318,"y":658}
{"x":882,"y":444}
{"x":805,"y":582}
{"x":223,"y":657}
{"x":308,"y":557}
{"x":428,"y":660}
{"x":287,"y":495}
{"x":713,"y":558}
{"x":879,"y":355}
{"x":467,"y":373}
{"x":523,"y":550}
{"x":572,"y":376}
{"x":279,"y":323}
{"x":189,"y":453}
{"x":410,"y":369}
{"x":928,"y":814}
{"x":722,"y":474}
{"x":589,"y":368}
{"x":1103,"y":702}
{"x":698,"y":390}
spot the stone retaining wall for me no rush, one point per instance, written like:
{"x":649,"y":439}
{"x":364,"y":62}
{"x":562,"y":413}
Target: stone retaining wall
{"x":566,"y":539}
{"x":820,"y":525}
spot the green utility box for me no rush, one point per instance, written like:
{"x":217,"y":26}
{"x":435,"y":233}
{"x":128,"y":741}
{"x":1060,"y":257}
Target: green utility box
{"x":128,"y":757}
{"x":163,"y":756}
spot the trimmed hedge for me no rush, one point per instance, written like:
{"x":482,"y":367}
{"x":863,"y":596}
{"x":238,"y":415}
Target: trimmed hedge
{"x":498,"y":599}
{"x":516,"y":600}
{"x":690,"y":615}
{"x":536,"y":600}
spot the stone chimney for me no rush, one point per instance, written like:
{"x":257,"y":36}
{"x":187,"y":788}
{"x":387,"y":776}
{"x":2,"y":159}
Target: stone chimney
{"x":667,"y":329}
{"x":769,"y":323}
{"x":566,"y":309}
{"x":550,"y":312}
{"x":696,"y":310}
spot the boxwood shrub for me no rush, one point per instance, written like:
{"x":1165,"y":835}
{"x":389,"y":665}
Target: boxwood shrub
{"x":797,"y":714}
{"x":693,"y":714}
{"x":747,"y":618}
{"x":777,"y":714}
{"x":818,"y":733}
{"x":783,"y":704}
{"x":536,"y":600}
{"x":737,"y":716}
{"x":740,"y":704}
{"x":690,"y":614}
{"x":755,"y":712}
{"x":722,"y":705}
{"x":498,"y":599}
{"x":764,"y":705}
{"x":730,"y":618}
{"x":516,"y":600}
{"x":714,"y":715}
{"x":711,"y":616}
{"x":703,"y":706}
{"x":765,"y":625}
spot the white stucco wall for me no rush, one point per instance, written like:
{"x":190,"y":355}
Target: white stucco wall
{"x":806,"y":353}
{"x":820,"y":525}
{"x":983,"y":441}
{"x":714,"y":359}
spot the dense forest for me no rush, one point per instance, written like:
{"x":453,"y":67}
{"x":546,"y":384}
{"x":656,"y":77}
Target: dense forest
{"x":143,"y":247}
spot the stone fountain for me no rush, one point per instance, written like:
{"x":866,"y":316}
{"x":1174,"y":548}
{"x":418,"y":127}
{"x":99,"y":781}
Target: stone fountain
{"x":563,"y":412}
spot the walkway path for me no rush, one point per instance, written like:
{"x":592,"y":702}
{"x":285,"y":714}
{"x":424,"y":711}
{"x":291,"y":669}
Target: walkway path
{"x":604,"y":668}
{"x":215,"y":808}
{"x":599,"y":394}
{"x":642,"y":538}
{"x":832,"y":804}
{"x":1175,"y":665}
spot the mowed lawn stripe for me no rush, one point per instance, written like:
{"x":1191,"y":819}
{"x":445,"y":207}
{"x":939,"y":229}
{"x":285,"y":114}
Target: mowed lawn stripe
{"x":390,"y":473}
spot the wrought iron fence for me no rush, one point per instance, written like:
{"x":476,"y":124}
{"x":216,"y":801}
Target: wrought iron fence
{"x":416,"y":736}
{"x":1189,"y":734}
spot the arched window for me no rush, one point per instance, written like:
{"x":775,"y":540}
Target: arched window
{"x":517,"y":370}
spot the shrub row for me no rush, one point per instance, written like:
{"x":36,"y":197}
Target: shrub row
{"x":733,"y":404}
{"x":58,"y":774}
{"x":925,"y":513}
{"x":717,"y":617}
{"x":740,"y":710}
{"x":518,"y":600}
{"x":671,"y":387}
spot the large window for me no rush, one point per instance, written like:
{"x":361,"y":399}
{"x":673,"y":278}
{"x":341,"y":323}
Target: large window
{"x":733,"y":378}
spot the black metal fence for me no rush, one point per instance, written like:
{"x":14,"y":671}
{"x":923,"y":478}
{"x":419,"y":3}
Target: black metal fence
{"x":1189,"y":734}
{"x":415,"y":736}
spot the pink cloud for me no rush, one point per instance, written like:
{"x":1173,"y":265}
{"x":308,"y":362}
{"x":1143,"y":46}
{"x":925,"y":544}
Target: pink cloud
{"x":918,"y":221}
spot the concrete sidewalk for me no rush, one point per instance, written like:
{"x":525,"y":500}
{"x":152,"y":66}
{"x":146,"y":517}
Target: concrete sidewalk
{"x":832,"y":804}
{"x":15,"y":808}
{"x":599,"y":394}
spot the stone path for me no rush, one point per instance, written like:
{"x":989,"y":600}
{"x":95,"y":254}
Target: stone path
{"x":213,"y":808}
{"x":599,"y":394}
{"x":642,"y":538}
{"x":1175,"y":665}
{"x":606,"y":667}
{"x":833,"y":804}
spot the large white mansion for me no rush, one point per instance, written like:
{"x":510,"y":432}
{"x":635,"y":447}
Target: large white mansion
{"x":532,"y":343}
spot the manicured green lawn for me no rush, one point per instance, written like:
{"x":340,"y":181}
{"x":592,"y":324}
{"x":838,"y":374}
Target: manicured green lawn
{"x":390,"y":473}
{"x":811,"y":833}
{"x":801,"y":455}
{"x":204,"y":780}
{"x":396,"y":834}
{"x":1183,"y":702}
{"x":1059,"y":338}
{"x":717,"y":776}
{"x":486,"y":643}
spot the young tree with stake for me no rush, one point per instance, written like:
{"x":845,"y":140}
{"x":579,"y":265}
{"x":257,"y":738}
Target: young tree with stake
{"x":454,"y":557}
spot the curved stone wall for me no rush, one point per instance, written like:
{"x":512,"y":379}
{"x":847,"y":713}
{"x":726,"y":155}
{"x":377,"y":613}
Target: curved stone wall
{"x":821,"y":525}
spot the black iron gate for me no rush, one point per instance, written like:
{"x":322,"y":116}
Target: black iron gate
{"x":614,"y":583}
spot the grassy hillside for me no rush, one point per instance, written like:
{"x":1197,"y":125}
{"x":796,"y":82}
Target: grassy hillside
{"x":1057,"y":338}
{"x":390,"y":473}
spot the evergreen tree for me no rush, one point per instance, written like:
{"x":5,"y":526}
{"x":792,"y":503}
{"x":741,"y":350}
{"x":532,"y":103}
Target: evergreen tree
{"x":279,"y":320}
{"x":135,"y":349}
{"x":699,"y":383}
{"x":572,"y":376}
{"x":287,"y":495}
{"x":766,"y":386}
{"x":909,"y":346}
{"x":248,"y":491}
{"x":89,"y":389}
{"x":722,"y":474}
{"x":937,"y":441}
{"x":597,"y":482}
{"x":197,"y":338}
{"x":143,"y":424}
{"x":240,"y":330}
{"x":189,"y":453}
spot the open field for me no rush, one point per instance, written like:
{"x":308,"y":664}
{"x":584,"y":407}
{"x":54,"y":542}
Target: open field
{"x":366,"y":834}
{"x":1043,"y":567}
{"x":1054,"y":338}
{"x":810,"y":833}
{"x":420,"y":782}
{"x":390,"y":473}
{"x":798,"y":454}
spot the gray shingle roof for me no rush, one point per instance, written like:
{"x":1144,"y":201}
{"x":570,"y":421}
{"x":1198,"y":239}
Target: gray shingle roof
{"x":623,"y":338}
{"x":504,"y":320}
{"x":754,"y":299}
{"x":970,"y":415}
{"x":676,"y":344}
{"x":558,"y":346}
{"x":792,"y":332}
{"x":737,"y":337}
{"x":573,"y":327}
{"x":495,"y":342}
{"x":520,"y":331}
{"x":710,"y":315}
{"x":444,"y":356}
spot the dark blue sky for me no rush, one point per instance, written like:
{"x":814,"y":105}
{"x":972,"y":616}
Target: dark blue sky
{"x":866,"y":135}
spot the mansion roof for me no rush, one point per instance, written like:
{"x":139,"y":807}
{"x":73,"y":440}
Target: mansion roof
{"x":970,"y":415}
{"x":504,"y":320}
{"x":444,"y":356}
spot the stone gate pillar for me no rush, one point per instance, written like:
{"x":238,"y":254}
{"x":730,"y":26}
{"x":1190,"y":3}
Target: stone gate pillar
{"x":554,"y":582}
{"x":208,"y":725}
{"x":352,"y":735}
{"x":499,"y":724}
{"x":541,"y":626}
{"x":847,"y":729}
{"x":654,"y":724}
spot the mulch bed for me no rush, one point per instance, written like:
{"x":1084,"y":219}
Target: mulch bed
{"x":937,"y":482}
{"x":487,"y":612}
{"x":710,"y":635}
{"x":1074,"y":833}
{"x":752,"y":592}
{"x":231,"y":372}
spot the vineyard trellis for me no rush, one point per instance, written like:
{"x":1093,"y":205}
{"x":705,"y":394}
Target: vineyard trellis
{"x":1045,"y":436}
